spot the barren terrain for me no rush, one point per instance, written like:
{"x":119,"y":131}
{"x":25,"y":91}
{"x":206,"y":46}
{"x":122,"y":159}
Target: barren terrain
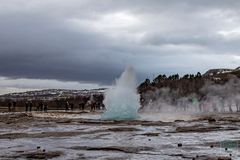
{"x":82,"y":135}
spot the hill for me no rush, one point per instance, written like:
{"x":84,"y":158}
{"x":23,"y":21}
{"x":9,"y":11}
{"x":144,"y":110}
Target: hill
{"x":175,"y":87}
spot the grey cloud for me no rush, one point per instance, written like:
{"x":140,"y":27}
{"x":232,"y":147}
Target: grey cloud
{"x":38,"y":41}
{"x":35,"y":50}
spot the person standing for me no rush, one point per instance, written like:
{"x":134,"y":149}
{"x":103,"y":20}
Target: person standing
{"x":81,"y":106}
{"x":9,"y":106}
{"x":71,"y":106}
{"x":14,"y":105}
{"x":30,"y":106}
{"x":26,"y":106}
{"x":67,"y":106}
{"x":45,"y":107}
{"x":41,"y":106}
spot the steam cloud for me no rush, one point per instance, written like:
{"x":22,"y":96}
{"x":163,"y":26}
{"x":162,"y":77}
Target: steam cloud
{"x":211,"y":98}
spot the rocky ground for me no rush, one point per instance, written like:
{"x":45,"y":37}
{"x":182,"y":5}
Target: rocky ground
{"x":81,"y":135}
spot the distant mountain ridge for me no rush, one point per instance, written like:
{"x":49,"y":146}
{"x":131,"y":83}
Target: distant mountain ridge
{"x":49,"y":94}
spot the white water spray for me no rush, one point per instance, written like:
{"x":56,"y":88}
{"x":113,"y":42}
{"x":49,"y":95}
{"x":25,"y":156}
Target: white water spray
{"x":122,"y":100}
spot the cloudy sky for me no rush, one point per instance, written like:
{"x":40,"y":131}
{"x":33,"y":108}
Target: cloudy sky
{"x":80,"y":44}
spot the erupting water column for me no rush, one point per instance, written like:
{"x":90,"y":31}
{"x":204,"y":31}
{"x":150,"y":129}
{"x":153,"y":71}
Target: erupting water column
{"x":122,"y":100}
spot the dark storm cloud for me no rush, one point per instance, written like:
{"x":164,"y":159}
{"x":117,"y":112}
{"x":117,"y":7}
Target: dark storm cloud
{"x":36,"y":47}
{"x":92,"y":41}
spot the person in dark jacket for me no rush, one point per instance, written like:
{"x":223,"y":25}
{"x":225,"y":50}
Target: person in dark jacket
{"x":30,"y":106}
{"x":26,"y":106}
{"x":67,"y":106}
{"x":9,"y":106}
{"x":14,"y":105}
{"x":41,"y":106}
{"x":71,"y":106}
{"x":45,"y":107}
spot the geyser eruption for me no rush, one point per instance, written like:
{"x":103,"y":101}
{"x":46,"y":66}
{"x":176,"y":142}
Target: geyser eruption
{"x":122,"y":100}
